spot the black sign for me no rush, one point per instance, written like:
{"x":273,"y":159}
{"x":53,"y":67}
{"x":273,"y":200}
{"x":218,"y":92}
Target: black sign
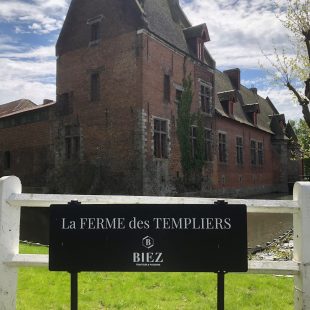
{"x":207,"y":238}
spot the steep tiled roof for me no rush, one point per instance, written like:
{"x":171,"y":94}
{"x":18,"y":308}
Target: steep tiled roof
{"x":165,"y":20}
{"x":16,"y":106}
{"x":247,"y":100}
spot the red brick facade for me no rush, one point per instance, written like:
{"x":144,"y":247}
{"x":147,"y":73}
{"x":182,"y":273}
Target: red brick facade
{"x":113,"y":127}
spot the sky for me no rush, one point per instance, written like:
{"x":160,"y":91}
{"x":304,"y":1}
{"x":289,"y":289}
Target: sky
{"x":239,"y":30}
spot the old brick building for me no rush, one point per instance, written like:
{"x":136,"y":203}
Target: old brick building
{"x":120,"y":67}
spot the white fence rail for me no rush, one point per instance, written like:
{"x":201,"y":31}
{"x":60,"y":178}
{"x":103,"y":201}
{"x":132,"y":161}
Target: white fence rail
{"x":11,"y":200}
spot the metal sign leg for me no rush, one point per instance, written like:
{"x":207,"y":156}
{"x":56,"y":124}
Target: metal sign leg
{"x":74,"y":290}
{"x":220,"y":290}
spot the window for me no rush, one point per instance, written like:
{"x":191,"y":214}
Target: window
{"x":194,"y":141}
{"x":222,"y":148}
{"x":239,"y":149}
{"x":178,"y":96}
{"x":160,"y":138}
{"x":167,"y":87}
{"x":7,"y":160}
{"x":94,"y":32}
{"x":260,"y":153}
{"x":205,"y":98}
{"x":95,"y":86}
{"x":199,"y":49}
{"x":208,"y":145}
{"x":64,"y":106}
{"x":72,"y":142}
{"x":253,"y":153}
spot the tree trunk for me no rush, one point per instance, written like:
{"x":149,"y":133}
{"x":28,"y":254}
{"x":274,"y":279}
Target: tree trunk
{"x":306,"y":114}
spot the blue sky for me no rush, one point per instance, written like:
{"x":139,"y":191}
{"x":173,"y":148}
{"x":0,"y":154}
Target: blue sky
{"x":239,"y":31}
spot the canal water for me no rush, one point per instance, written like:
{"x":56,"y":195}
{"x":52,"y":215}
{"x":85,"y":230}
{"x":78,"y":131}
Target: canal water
{"x":265,"y":227}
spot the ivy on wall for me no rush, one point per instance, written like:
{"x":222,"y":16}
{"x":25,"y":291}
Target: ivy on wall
{"x":192,"y":153}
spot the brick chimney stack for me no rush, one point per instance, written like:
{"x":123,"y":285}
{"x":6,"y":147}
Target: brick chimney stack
{"x":234,"y":76}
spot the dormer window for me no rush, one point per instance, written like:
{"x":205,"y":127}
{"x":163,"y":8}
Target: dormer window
{"x":252,"y":110}
{"x":227,"y":100}
{"x":200,"y":49}
{"x":228,"y":107}
{"x":196,"y":37}
{"x":254,"y":118}
{"x":95,"y":29}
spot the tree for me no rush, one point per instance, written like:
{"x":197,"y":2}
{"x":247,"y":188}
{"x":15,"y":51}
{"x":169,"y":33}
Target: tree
{"x":303,"y":133}
{"x":294,"y":71}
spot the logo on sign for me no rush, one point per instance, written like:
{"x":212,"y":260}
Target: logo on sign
{"x":145,"y":259}
{"x":148,"y":242}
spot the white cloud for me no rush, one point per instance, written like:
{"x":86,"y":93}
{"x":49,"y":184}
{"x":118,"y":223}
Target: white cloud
{"x":40,"y":52}
{"x":38,"y":16}
{"x":284,"y":102}
{"x":29,"y":70}
{"x":238,"y":29}
{"x":34,"y":80}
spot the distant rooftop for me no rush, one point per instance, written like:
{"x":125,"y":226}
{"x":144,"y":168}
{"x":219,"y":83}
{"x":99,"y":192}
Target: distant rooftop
{"x":16,"y":106}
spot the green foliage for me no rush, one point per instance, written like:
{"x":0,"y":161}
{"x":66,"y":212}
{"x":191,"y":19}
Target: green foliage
{"x":40,"y":289}
{"x":184,"y":122}
{"x":303,"y":134}
{"x":292,"y":68}
{"x":191,"y":165}
{"x":198,"y":161}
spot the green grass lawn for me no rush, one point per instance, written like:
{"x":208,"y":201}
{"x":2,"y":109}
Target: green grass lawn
{"x":39,"y":289}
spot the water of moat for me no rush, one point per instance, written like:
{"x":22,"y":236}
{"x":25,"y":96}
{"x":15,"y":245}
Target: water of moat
{"x":266,"y":227}
{"x":261,"y":227}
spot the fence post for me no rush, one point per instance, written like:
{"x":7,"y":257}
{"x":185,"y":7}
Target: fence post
{"x":9,"y":241}
{"x":301,"y":223}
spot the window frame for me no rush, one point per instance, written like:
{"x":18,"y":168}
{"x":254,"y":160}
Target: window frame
{"x":205,"y":97}
{"x":95,"y":30}
{"x":167,"y":88}
{"x":253,"y":152}
{"x":260,"y":153}
{"x":222,"y":145}
{"x":239,"y":150}
{"x":208,"y":144}
{"x":160,"y":138}
{"x":72,"y":142}
{"x":95,"y":93}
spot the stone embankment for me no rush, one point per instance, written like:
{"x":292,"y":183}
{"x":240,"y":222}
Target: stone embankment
{"x":280,"y":248}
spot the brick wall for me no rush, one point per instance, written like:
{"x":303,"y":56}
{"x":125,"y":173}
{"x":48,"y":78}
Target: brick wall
{"x":161,"y":174}
{"x":110,"y":127}
{"x":233,"y":178}
{"x":29,"y":147}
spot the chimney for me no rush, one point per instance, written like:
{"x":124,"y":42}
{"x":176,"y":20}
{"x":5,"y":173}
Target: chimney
{"x":47,"y":101}
{"x":234,"y":76}
{"x":254,"y":90}
{"x":173,"y":2}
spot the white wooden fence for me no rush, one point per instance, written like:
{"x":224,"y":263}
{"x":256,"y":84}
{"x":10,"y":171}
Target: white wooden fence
{"x":11,"y":200}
